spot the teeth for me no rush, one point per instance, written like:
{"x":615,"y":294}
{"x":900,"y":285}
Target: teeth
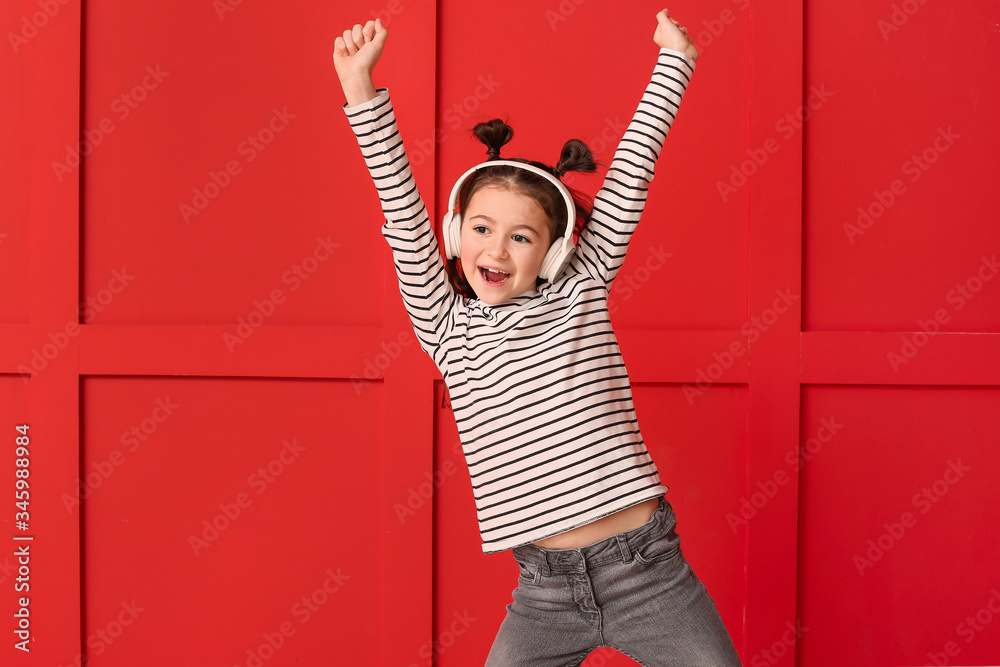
{"x":489,"y":274}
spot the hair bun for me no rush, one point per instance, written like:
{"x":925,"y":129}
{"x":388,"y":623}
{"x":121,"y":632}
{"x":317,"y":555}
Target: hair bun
{"x":575,"y":156}
{"x":494,"y":133}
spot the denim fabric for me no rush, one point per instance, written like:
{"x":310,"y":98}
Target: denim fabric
{"x":633,"y":591}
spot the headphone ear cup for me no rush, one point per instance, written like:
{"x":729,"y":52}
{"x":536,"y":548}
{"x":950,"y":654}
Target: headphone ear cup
{"x":556,"y":259}
{"x":451,"y":230}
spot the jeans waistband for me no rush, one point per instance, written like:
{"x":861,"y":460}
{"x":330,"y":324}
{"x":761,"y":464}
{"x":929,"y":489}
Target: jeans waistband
{"x":614,"y":548}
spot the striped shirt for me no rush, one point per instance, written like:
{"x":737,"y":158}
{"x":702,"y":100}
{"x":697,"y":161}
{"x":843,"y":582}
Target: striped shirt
{"x":538,"y":386}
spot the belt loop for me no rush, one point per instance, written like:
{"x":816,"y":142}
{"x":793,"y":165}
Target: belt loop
{"x":623,"y":545}
{"x":545,"y":562}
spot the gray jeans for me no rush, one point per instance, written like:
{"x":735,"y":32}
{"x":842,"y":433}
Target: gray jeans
{"x":633,"y":591}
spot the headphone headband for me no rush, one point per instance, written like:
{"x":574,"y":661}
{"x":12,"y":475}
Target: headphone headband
{"x":563,"y":190}
{"x":561,"y":250}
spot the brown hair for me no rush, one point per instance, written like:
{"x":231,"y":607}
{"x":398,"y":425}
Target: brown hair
{"x":575,"y":156}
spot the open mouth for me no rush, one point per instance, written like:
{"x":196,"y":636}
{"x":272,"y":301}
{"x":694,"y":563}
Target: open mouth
{"x":493,"y":277}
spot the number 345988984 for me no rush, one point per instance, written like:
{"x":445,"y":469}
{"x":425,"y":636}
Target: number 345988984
{"x":22,"y":462}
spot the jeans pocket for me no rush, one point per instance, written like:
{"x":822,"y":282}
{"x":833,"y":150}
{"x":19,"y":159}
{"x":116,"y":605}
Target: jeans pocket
{"x":528,"y":572}
{"x":659,"y":547}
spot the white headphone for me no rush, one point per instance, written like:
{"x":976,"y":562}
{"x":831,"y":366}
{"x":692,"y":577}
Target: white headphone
{"x":561,"y":250}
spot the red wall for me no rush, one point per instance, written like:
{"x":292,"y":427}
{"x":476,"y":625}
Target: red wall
{"x":237,"y":453}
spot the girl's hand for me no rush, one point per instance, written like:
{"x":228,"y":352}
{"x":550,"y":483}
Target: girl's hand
{"x":355,"y":55}
{"x":670,"y":34}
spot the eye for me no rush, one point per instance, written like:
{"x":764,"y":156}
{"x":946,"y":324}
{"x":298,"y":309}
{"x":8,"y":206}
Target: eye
{"x":480,"y":229}
{"x":521,"y":238}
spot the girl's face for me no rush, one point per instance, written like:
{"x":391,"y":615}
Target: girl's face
{"x":504,"y":239}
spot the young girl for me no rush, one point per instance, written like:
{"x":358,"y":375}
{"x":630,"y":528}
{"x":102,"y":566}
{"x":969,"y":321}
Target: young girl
{"x":518,"y":325}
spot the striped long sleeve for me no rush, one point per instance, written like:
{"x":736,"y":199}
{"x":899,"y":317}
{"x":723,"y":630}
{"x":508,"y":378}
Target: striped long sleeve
{"x":621,"y":200}
{"x":423,"y":281}
{"x":538,"y":387}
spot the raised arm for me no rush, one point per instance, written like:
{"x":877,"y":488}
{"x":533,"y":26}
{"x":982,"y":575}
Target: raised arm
{"x":423,"y":282}
{"x":621,"y":200}
{"x":355,"y":55}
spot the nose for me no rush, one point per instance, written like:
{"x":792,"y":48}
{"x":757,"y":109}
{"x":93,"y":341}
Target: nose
{"x":498,"y":247}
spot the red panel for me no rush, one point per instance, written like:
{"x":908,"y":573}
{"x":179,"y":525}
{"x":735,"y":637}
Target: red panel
{"x":15,"y":177}
{"x":898,"y":528}
{"x":906,"y":111}
{"x":248,"y":115}
{"x":236,"y":517}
